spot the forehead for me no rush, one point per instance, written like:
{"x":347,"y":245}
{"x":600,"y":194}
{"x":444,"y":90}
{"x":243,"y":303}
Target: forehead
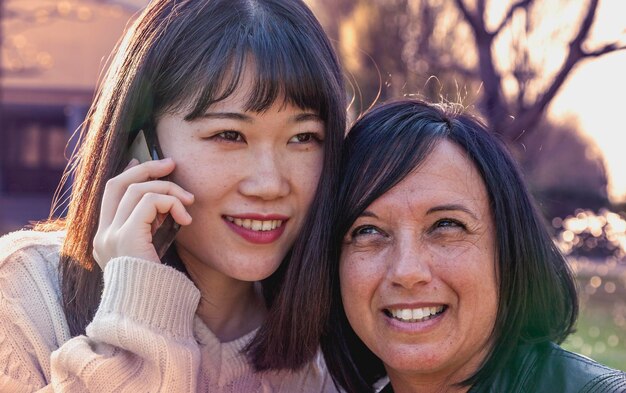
{"x":446,"y":176}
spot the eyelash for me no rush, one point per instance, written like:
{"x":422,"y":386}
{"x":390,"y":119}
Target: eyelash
{"x":356,"y":231}
{"x":311,"y":137}
{"x":232,"y":133}
{"x":447,"y":221}
{"x":443,"y":223}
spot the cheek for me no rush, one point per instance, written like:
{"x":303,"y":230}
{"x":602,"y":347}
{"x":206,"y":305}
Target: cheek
{"x":202,"y":177}
{"x":359,"y":283}
{"x":478,"y":290}
{"x":311,"y":169}
{"x":305,"y":174}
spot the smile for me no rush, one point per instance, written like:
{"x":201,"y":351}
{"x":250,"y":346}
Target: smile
{"x":414,"y":314}
{"x":256,"y":225}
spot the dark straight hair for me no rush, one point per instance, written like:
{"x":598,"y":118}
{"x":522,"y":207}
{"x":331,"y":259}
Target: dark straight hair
{"x":537,"y":295}
{"x":185,"y":55}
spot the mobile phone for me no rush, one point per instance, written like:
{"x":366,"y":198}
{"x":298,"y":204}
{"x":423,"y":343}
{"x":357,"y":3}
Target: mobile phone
{"x":145,"y":147}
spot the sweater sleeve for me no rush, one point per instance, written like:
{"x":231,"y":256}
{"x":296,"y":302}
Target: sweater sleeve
{"x":141,"y":338}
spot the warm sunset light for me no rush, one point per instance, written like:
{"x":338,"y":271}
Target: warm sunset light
{"x":541,"y":231}
{"x":593,"y":95}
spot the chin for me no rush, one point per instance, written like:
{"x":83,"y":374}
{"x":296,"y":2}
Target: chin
{"x":255,"y":272}
{"x":412,"y":361}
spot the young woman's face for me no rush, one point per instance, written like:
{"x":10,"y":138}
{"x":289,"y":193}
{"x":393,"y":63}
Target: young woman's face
{"x":417,"y":272}
{"x":253,"y":176}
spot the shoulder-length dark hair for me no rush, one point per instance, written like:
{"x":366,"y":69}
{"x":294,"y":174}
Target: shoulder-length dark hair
{"x":187,"y":55}
{"x":537,"y":295}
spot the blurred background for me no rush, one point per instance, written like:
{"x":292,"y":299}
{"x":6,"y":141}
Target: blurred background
{"x":547,"y":75}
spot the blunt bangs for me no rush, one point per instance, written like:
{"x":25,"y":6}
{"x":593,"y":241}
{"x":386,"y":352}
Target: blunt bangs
{"x":206,"y":60}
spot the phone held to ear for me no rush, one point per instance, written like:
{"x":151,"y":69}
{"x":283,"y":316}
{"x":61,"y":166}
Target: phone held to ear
{"x":145,"y":147}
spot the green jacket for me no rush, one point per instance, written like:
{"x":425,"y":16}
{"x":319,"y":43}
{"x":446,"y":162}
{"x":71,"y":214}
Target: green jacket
{"x":548,"y":368}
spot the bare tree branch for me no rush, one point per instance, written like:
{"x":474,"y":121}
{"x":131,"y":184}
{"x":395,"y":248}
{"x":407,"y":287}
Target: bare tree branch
{"x":531,"y":116}
{"x":585,"y":26}
{"x":480,"y":9}
{"x":473,"y":20}
{"x":604,"y":50}
{"x":510,"y":12}
{"x":494,"y":105}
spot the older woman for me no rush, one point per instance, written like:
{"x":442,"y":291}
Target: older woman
{"x":448,"y":280}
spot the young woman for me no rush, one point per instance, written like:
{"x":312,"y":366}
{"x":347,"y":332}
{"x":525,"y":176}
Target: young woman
{"x":246,"y":100}
{"x":448,"y":280}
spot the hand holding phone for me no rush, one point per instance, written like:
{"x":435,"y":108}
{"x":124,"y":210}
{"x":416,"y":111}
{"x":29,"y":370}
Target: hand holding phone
{"x":141,"y":211}
{"x":144,"y":150}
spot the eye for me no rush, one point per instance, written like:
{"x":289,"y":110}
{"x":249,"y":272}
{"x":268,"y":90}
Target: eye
{"x":305,"y":137}
{"x":448,"y":223}
{"x":365,"y":230}
{"x":231,"y":136}
{"x":366,"y":236}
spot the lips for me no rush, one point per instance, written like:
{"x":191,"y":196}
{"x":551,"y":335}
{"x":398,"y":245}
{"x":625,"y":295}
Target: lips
{"x":257,"y":229}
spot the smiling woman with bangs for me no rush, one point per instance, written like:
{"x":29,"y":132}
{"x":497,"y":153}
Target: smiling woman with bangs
{"x":445,"y":278}
{"x":244,"y":100}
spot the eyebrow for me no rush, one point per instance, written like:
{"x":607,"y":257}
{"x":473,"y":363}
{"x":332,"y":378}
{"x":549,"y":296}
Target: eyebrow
{"x":308,"y":116}
{"x":451,"y":207}
{"x":299,"y":118}
{"x":226,"y":115}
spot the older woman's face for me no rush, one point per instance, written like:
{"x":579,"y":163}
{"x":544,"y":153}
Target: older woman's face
{"x":418,"y":276}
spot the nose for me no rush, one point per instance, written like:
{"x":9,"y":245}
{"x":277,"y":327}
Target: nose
{"x":411,"y":265}
{"x":267,"y":178}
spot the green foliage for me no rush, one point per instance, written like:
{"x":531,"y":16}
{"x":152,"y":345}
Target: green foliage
{"x":601,"y":327}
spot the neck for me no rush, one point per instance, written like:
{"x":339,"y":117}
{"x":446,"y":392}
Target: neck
{"x":444,"y":379}
{"x":436,"y":382}
{"x":230,"y":308}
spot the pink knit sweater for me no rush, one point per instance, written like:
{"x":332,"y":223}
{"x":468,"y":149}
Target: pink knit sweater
{"x":145,"y":336}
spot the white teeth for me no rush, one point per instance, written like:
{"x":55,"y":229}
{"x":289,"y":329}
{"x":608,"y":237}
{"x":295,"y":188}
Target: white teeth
{"x":256,"y":225}
{"x":415,"y":314}
{"x":418,"y":314}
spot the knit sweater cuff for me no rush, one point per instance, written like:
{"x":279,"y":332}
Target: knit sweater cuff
{"x":150,"y":294}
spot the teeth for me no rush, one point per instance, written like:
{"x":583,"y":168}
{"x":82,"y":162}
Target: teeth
{"x":256,"y":225}
{"x":415,"y":314}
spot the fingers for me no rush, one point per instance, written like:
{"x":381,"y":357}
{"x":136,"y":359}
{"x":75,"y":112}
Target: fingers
{"x":131,"y":205}
{"x":138,"y":191}
{"x":135,"y":173}
{"x":151,"y":205}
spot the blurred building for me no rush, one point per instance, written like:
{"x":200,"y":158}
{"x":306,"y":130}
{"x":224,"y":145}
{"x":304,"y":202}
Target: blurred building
{"x":53,"y":52}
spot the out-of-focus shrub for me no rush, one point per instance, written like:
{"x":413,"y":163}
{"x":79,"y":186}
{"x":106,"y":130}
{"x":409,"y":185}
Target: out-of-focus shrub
{"x":590,"y":234}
